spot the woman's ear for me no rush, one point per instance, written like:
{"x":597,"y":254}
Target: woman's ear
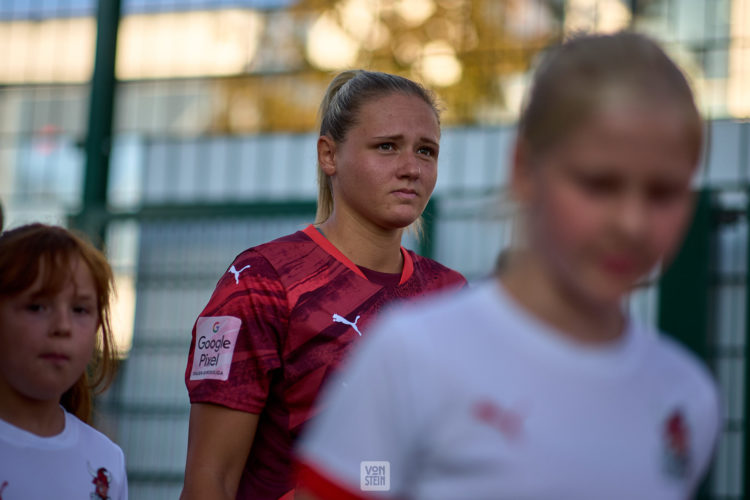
{"x":327,"y":155}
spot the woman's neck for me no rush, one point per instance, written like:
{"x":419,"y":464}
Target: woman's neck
{"x":579,"y":318}
{"x":366,"y":246}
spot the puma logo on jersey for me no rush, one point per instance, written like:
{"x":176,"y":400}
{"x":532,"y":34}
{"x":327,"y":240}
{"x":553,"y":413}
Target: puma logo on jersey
{"x":337,"y":318}
{"x":236,"y":273}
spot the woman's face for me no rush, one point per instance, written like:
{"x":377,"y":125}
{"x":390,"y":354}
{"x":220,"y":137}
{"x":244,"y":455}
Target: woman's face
{"x":610,"y":201}
{"x":46,"y":340}
{"x":384,"y":171}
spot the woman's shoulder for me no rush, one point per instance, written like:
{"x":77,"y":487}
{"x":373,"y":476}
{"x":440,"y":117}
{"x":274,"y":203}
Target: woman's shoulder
{"x":277,"y":244}
{"x":274,"y":252}
{"x":426,"y":265}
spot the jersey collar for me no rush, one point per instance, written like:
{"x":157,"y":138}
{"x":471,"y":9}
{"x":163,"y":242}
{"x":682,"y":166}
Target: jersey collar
{"x":326,"y":245}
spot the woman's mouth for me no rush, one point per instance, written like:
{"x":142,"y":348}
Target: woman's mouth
{"x":406,"y":193}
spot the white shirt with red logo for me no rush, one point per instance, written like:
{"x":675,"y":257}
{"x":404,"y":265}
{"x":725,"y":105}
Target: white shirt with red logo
{"x":80,"y":462}
{"x":469,"y":396}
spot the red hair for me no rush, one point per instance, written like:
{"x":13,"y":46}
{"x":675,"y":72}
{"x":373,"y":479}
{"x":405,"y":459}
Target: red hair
{"x":34,"y":249}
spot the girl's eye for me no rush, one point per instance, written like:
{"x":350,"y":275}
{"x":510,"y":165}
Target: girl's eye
{"x":598,"y":185}
{"x":84,"y":308}
{"x":386,"y":146}
{"x":427,"y":151}
{"x":665,"y":193}
{"x":34,"y":307}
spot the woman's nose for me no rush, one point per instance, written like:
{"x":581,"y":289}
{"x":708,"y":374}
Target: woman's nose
{"x":409,"y":166}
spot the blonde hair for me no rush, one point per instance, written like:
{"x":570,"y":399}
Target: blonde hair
{"x":339,"y":112}
{"x":29,"y":250}
{"x":576,"y":79}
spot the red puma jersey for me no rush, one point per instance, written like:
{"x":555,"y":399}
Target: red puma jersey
{"x":279,"y":321}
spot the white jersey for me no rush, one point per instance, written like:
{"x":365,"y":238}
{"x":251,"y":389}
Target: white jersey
{"x":79,"y":463}
{"x":470,"y":396}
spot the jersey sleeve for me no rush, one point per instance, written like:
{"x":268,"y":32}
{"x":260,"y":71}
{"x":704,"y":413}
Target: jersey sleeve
{"x":364,"y":440}
{"x":238,"y":338}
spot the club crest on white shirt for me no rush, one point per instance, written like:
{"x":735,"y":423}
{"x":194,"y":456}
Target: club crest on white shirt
{"x":676,"y":445}
{"x":507,"y":421}
{"x":102,"y":481}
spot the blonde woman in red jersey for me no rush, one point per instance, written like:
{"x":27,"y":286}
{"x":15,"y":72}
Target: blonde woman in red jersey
{"x":286,"y":312}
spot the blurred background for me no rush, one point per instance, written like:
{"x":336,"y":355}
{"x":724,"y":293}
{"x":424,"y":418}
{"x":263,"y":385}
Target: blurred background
{"x":177,"y":133}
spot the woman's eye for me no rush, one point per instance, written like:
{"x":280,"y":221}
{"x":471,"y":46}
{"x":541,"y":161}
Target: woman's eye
{"x":427,"y":151}
{"x":34,"y":307}
{"x":386,"y":146}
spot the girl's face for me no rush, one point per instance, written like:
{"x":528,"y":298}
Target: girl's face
{"x":610,"y":201}
{"x":46,"y":341}
{"x":384,"y":171}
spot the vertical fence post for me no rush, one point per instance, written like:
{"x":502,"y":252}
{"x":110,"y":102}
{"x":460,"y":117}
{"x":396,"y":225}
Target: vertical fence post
{"x":745,"y":459}
{"x":685,"y":286}
{"x":427,"y":241}
{"x":92,"y":218}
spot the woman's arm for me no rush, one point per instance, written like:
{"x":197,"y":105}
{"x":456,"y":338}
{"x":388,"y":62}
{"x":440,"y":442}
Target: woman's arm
{"x":219,"y":441}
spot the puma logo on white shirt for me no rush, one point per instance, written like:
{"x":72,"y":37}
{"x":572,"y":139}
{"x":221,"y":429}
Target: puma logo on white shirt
{"x":340,"y":319}
{"x":236,"y":273}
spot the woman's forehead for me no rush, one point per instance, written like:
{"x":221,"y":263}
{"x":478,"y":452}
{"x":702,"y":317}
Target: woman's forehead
{"x":397,"y":113}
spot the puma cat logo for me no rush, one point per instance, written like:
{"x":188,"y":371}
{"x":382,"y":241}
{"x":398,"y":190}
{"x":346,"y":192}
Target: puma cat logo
{"x":236,"y":273}
{"x":337,"y":318}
